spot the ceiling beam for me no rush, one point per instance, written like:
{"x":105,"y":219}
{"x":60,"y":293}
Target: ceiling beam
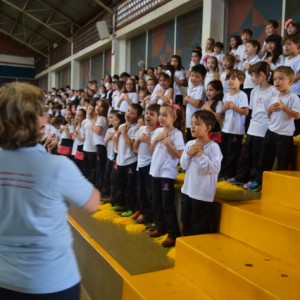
{"x":24,"y":43}
{"x":37,"y":20}
{"x":104,"y":6}
{"x":59,"y":13}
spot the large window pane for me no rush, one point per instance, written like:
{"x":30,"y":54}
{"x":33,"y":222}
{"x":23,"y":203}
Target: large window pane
{"x":137,"y":52}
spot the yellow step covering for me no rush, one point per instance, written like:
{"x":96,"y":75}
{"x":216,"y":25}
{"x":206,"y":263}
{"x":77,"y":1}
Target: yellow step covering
{"x":271,"y":228}
{"x":162,"y":285}
{"x":281,"y":187}
{"x":229,"y":269}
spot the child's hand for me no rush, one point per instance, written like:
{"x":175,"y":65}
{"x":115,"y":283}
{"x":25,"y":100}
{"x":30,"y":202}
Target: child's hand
{"x":195,"y":150}
{"x":281,"y":105}
{"x":144,"y":138}
{"x":186,"y":99}
{"x":274,"y":107}
{"x":206,"y":106}
{"x":161,"y":136}
{"x":160,"y":93}
{"x":226,"y":105}
{"x":231,"y":105}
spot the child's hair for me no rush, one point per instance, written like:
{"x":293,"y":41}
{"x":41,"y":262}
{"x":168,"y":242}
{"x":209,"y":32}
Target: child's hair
{"x":216,"y":85}
{"x":274,"y":23}
{"x":247,"y":31}
{"x":277,"y":39}
{"x":260,"y":66}
{"x":120,"y":84}
{"x":83,"y":111}
{"x":219,"y":45}
{"x":254,"y":43}
{"x":198,"y":52}
{"x":212,"y":40}
{"x":286,"y":70}
{"x":208,"y":118}
{"x":216,"y":71}
{"x":57,"y":121}
{"x":230,"y":57}
{"x":178,"y":57}
{"x":295,"y":38}
{"x":105,"y":107}
{"x":200,"y":69}
{"x":153,"y":107}
{"x":143,"y":90}
{"x":234,"y":73}
{"x":118,"y":115}
{"x":20,"y":106}
{"x":166,"y":75}
{"x":138,"y":108}
{"x":178,"y":111}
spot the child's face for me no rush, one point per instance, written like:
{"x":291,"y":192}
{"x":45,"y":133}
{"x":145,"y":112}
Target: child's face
{"x":115,"y":122}
{"x":245,"y":37}
{"x":79,"y":116}
{"x":166,"y":117}
{"x":211,"y":92}
{"x":233,"y":83}
{"x":150,"y":85}
{"x":270,"y":29}
{"x":140,"y":122}
{"x":151,"y":118}
{"x":174,"y":62}
{"x":129,"y":85}
{"x":282,"y":82}
{"x":131,"y":115}
{"x":228,"y":64}
{"x":164,"y":82}
{"x":257,"y":78}
{"x":217,"y":50}
{"x":110,"y":119}
{"x":233,"y":43}
{"x":198,"y":128}
{"x":90,"y":110}
{"x":142,"y":94}
{"x":209,"y":45}
{"x":271,"y":46}
{"x":196,"y":78}
{"x":291,"y":48}
{"x":291,"y":29}
{"x":195,"y":58}
{"x":142,"y":83}
{"x":211,"y":64}
{"x":250,"y":49}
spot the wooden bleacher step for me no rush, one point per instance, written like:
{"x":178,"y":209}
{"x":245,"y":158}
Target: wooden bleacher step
{"x":272,"y":228}
{"x":229,"y":269}
{"x":162,"y":285}
{"x":280,"y":187}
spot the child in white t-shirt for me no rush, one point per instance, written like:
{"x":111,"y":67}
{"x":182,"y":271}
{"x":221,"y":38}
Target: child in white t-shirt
{"x":195,"y":96}
{"x":166,"y":145}
{"x":144,"y":180}
{"x":127,"y":162}
{"x":201,"y":159}
{"x":235,"y":107}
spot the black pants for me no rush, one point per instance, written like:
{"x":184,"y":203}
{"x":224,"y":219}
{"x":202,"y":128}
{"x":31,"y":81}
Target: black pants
{"x":231,"y":146}
{"x":100,"y":168}
{"x":195,"y":216}
{"x":250,"y":158}
{"x":164,"y":209}
{"x":73,"y":293}
{"x":144,"y":192}
{"x":126,"y":186}
{"x":179,"y":99}
{"x":90,"y":161}
{"x":275,"y":145}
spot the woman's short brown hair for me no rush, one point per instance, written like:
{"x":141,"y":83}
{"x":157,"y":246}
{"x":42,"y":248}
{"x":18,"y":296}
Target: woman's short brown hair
{"x":21,"y":104}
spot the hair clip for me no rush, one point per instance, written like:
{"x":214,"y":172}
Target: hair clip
{"x":287,"y":23}
{"x":168,"y":72}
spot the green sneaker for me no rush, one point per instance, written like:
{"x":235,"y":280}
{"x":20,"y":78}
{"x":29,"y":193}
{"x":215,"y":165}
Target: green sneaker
{"x":118,"y":208}
{"x":127,"y":213}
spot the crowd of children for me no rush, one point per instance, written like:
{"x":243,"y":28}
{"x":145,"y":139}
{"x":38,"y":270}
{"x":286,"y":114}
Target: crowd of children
{"x":130,"y":137}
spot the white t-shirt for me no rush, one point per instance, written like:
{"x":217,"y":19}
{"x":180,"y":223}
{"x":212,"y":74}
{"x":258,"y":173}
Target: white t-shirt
{"x":144,"y":154}
{"x":224,"y":82}
{"x":124,"y":105}
{"x":88,"y":144}
{"x":259,"y":103}
{"x":99,"y":138}
{"x":248,"y":83}
{"x":163,"y":164}
{"x":36,"y":254}
{"x":114,"y":99}
{"x":177,"y":88}
{"x":241,"y":52}
{"x":280,"y":122}
{"x":64,"y":134}
{"x":196,"y":93}
{"x":234,"y":122}
{"x":294,"y":63}
{"x":208,"y":78}
{"x":201,"y":174}
{"x":126,"y":155}
{"x":110,"y":145}
{"x":77,"y":142}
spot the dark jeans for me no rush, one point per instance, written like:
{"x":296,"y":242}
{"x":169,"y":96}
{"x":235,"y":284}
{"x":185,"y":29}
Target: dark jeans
{"x":90,"y":161}
{"x":144,"y":192}
{"x":231,"y":146}
{"x":73,"y":293}
{"x":195,"y":216}
{"x":275,"y":145}
{"x":101,"y":163}
{"x":126,"y":186}
{"x":164,"y":209}
{"x":250,"y":158}
{"x":110,"y":180}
